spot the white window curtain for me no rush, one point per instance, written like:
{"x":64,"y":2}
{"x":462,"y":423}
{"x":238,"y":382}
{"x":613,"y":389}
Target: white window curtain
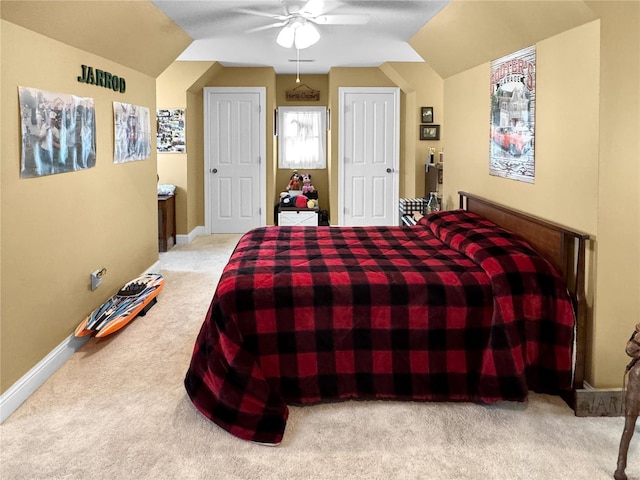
{"x":302,"y":133}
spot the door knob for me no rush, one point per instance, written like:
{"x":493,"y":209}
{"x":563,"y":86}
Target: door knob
{"x":215,"y":170}
{"x":389,"y":170}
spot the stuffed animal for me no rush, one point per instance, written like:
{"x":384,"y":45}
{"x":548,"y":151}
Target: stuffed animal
{"x":306,"y":184}
{"x":288,"y":201}
{"x":301,"y":201}
{"x":294,"y":182}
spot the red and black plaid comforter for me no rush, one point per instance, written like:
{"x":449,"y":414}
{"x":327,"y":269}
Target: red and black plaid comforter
{"x":451,"y":309}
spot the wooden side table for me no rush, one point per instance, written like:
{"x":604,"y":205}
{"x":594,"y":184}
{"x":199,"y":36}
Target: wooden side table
{"x":166,"y":222}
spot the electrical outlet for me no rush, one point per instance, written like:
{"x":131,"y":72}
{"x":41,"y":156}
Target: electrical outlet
{"x":96,"y":278}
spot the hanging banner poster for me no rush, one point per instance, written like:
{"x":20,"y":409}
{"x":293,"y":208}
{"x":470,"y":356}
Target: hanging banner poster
{"x":58,"y":132}
{"x":513,"y":98}
{"x":132,"y":132}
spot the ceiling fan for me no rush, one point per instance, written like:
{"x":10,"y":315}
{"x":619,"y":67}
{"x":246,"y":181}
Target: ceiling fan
{"x":299,"y":23}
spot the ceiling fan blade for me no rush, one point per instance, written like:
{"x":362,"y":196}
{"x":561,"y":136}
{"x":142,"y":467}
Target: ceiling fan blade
{"x":267,"y":27}
{"x":259,"y":13}
{"x":285,"y":8}
{"x":341,"y":19}
{"x":313,"y":8}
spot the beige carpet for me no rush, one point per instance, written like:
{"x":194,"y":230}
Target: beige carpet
{"x":117,"y":410}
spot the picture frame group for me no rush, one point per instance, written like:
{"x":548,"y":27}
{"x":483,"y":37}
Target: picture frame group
{"x":429,"y":132}
{"x":426,"y":115}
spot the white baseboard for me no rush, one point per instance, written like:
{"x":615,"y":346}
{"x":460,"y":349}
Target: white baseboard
{"x":31,"y":381}
{"x":187,"y":239}
{"x":20,"y":391}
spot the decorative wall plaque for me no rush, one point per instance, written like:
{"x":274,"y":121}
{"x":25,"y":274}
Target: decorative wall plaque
{"x":303,"y":93}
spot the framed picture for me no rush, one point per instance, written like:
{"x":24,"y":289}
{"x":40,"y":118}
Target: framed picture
{"x":426,"y":115}
{"x":429,"y":132}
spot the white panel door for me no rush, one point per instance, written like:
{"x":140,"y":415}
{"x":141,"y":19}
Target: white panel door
{"x":234,"y":183}
{"x":368,"y":156}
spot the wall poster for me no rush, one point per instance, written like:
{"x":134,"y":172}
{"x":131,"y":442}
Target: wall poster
{"x":132,"y":125}
{"x":58,"y":132}
{"x":171,"y":132}
{"x":513,"y":95}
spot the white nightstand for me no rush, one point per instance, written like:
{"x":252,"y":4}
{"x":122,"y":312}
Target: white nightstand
{"x":288,"y":217}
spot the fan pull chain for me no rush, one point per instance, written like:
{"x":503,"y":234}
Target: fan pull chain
{"x":298,"y":65}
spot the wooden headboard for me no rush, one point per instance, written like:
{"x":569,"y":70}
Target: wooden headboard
{"x":563,"y":247}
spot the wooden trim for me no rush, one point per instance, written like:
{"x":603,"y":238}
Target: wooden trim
{"x":562,"y":246}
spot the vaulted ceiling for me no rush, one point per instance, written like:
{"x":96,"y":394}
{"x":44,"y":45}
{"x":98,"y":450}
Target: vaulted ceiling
{"x":132,"y":33}
{"x":467,"y":33}
{"x":243,"y":32}
{"x":148,"y":36}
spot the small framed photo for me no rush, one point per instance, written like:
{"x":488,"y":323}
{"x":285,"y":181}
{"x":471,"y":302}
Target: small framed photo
{"x":429,"y":132}
{"x":426,"y":115}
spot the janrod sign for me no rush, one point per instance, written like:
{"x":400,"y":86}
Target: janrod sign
{"x":102,"y":79}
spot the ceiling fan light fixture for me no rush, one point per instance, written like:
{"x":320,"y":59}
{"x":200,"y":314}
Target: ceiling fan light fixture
{"x":286,"y":36}
{"x":306,"y":35}
{"x":298,"y":32}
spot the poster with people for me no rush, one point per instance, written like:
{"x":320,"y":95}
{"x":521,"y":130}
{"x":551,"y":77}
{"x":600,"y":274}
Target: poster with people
{"x":132,"y":136}
{"x":513,"y":98}
{"x":170,"y":137}
{"x":58,"y":132}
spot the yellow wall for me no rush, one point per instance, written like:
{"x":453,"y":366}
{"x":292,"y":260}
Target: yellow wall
{"x":57,"y":229}
{"x":467,"y":33}
{"x":134,"y":34}
{"x":587,"y":168}
{"x":195,"y":144}
{"x":566,"y":142}
{"x":617,"y":299}
{"x":421,"y":87}
{"x":235,"y":77}
{"x":171,"y":93}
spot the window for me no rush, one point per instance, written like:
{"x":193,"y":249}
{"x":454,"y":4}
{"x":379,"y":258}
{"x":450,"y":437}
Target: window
{"x":302,"y":133}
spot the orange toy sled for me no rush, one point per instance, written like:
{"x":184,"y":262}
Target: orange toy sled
{"x":134,"y":299}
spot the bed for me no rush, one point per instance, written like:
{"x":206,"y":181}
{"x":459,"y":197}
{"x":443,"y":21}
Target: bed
{"x":455,"y":308}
